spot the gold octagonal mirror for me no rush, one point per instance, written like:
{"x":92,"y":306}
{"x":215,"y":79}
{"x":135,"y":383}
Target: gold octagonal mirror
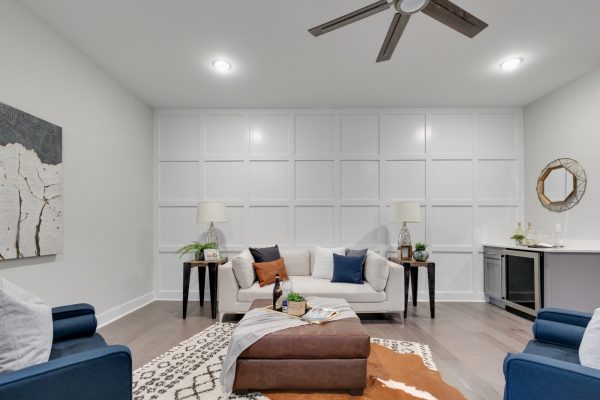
{"x":561,"y":184}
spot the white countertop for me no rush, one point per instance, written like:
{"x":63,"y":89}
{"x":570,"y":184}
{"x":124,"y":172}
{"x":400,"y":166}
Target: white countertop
{"x":571,"y":246}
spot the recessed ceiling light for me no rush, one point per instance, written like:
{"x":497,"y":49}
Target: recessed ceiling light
{"x":221,"y":65}
{"x":511,"y":64}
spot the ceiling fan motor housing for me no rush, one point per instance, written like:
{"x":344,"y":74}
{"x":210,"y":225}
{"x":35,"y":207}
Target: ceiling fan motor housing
{"x":408,"y":7}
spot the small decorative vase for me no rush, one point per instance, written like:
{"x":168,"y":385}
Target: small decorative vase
{"x":421,"y":255}
{"x":199,"y":255}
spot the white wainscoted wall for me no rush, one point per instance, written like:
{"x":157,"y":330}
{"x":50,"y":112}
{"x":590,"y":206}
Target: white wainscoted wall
{"x":301,"y":178}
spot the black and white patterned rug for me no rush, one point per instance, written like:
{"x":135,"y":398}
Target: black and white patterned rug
{"x":190,"y":371}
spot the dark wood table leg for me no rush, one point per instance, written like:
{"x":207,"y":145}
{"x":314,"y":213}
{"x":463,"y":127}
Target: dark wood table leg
{"x":431,"y":284}
{"x":414,"y":277}
{"x":212,"y":280}
{"x":406,"y":281}
{"x":186,"y":287}
{"x":201,"y":282}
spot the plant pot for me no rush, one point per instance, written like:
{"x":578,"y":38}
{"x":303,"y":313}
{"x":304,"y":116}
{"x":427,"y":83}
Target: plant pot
{"x":199,"y":255}
{"x":297,"y":308}
{"x":421,"y":255}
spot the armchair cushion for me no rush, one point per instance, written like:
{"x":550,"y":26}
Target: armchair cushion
{"x":25,"y":328}
{"x":77,"y":345}
{"x":589,"y":351}
{"x":552,"y":351}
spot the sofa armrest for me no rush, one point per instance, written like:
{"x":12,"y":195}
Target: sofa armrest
{"x":563,"y":316}
{"x":394,"y":289}
{"x":533,"y":377}
{"x":97,"y":374}
{"x":228,"y":288}
{"x":77,"y":320}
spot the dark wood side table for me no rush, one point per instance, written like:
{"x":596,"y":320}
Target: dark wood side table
{"x":411,"y":270}
{"x":213,"y":275}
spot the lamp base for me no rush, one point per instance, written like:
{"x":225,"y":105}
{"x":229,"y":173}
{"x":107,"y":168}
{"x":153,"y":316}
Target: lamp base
{"x":211,"y":235}
{"x":404,"y":244}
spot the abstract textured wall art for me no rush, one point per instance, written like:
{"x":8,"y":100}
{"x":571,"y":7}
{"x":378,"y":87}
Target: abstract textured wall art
{"x":31,"y":206}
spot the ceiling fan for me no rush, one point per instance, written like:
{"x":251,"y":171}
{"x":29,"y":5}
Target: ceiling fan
{"x":443,"y":11}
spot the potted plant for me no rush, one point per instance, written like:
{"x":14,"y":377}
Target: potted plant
{"x":296,"y":304}
{"x":518,"y":239}
{"x":197,"y":248}
{"x":420,"y":254}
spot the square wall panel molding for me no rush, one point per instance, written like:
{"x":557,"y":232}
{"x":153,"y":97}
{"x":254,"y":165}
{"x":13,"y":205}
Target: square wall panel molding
{"x":308,"y":177}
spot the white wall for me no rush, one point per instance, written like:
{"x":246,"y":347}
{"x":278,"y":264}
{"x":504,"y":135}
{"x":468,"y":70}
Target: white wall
{"x":326,"y":177}
{"x":107,"y":153}
{"x":566,"y":123}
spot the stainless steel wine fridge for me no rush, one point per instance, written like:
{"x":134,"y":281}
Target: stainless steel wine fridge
{"x":522,"y":281}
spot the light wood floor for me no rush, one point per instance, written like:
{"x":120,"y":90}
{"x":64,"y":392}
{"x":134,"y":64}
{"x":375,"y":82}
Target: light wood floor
{"x":468,"y":340}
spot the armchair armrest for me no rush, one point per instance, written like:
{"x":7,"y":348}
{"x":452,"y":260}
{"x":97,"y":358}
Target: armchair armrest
{"x":97,"y":374}
{"x":77,"y":320}
{"x":560,"y":327}
{"x":568,"y":317}
{"x":533,"y":377}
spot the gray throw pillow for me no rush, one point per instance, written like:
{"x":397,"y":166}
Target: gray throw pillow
{"x":25,"y":328}
{"x":589,"y":350}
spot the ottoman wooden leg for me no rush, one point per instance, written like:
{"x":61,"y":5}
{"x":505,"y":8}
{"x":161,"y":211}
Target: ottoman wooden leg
{"x":241,"y":392}
{"x":356,"y":392}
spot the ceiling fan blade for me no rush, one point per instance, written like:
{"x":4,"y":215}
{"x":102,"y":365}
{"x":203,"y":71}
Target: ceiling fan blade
{"x":354,"y":16}
{"x":393,"y":36}
{"x":455,"y":17}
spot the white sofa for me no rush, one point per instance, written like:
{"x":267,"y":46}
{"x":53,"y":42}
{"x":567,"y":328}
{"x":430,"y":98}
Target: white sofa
{"x":299,"y":265}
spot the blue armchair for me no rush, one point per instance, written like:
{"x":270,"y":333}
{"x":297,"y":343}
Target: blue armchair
{"x":549,"y":366}
{"x":81,"y":365}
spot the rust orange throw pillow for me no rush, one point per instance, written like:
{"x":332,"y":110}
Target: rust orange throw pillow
{"x":266,"y":271}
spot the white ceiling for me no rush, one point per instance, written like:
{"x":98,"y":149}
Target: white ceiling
{"x":162,"y":49}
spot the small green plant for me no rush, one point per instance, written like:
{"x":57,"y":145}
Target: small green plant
{"x":420,"y":246}
{"x":518,"y":237}
{"x":196,"y":248}
{"x":293,"y":296}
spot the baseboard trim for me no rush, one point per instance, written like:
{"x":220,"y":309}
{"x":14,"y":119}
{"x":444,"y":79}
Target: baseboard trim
{"x":120,"y":311}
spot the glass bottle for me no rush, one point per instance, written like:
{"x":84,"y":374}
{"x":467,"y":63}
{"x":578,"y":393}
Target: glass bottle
{"x":529,"y":235}
{"x":277,"y":294}
{"x":519,"y":232}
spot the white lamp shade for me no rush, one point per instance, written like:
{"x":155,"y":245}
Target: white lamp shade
{"x":211,"y":212}
{"x":405,"y":212}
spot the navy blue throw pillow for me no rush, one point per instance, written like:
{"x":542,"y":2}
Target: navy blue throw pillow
{"x":347,"y":269}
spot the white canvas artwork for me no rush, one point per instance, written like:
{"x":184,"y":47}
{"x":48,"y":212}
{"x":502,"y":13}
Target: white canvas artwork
{"x":31,"y":206}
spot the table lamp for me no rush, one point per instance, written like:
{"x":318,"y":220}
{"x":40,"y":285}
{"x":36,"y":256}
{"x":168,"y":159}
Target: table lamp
{"x":401,"y":213}
{"x":211,"y":212}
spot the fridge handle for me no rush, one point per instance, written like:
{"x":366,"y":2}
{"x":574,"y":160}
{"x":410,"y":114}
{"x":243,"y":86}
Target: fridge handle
{"x":503,"y":275}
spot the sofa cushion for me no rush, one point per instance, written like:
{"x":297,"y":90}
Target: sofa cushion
{"x":25,"y":328}
{"x":377,"y":271}
{"x":267,"y":271}
{"x":589,"y":350}
{"x":323,"y":265}
{"x":243,"y":269}
{"x":347,"y":269}
{"x":297,"y":262}
{"x":309,"y":286}
{"x":265,"y":254}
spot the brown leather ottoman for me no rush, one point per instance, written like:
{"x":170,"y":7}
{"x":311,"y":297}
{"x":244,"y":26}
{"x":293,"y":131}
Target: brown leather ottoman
{"x":330,"y":356}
